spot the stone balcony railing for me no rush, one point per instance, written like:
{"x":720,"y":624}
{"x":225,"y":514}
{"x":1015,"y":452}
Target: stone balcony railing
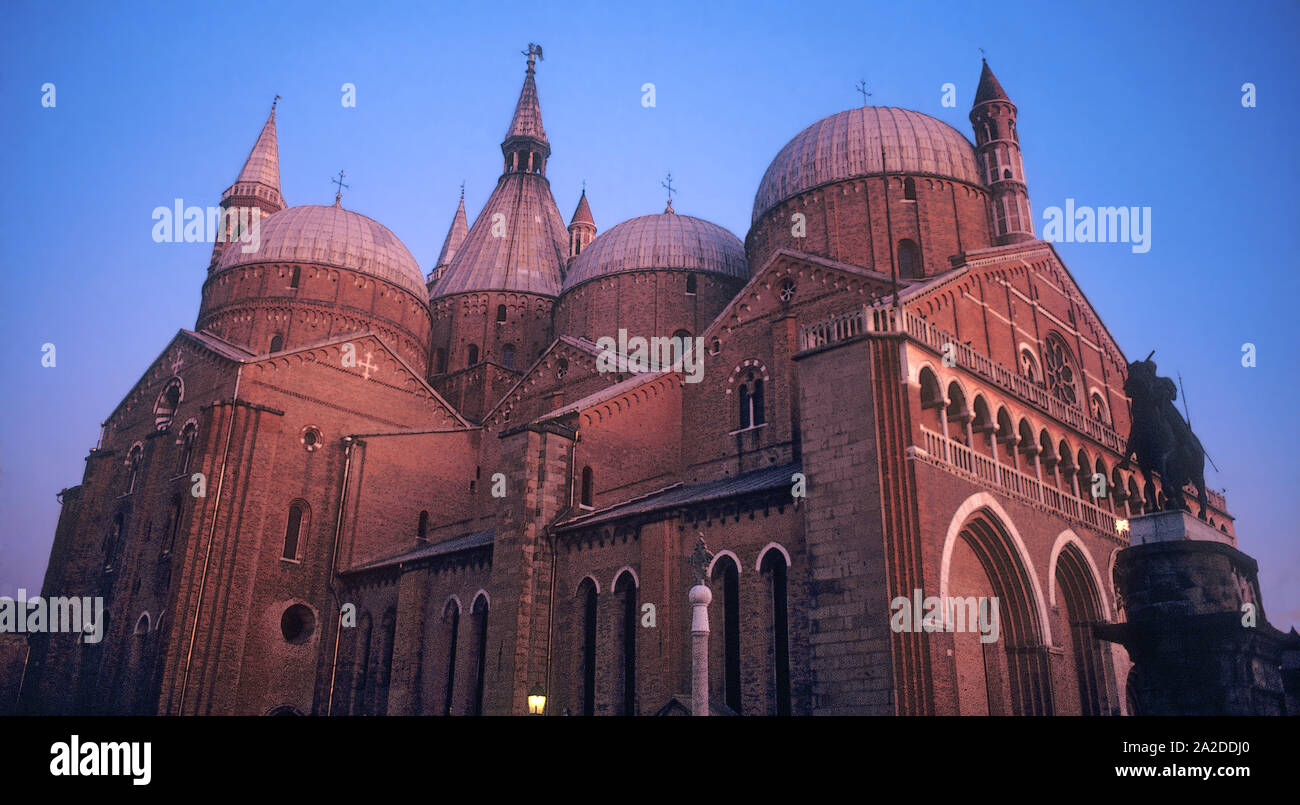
{"x":868,"y":319}
{"x":953,"y":455}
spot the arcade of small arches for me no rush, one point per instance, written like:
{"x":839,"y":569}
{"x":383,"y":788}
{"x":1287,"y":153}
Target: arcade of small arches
{"x":1010,"y":437}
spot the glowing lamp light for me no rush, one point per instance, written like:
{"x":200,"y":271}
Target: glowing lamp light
{"x":1121,"y":526}
{"x":536,"y":701}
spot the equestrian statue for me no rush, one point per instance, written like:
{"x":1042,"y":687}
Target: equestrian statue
{"x":1161,"y":439}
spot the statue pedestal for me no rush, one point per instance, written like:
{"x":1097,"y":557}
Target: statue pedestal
{"x":1173,"y":526}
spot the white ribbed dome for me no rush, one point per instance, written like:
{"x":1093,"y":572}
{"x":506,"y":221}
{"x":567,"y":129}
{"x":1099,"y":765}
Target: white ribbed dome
{"x":849,"y":145}
{"x":331,"y":236}
{"x":667,"y":241}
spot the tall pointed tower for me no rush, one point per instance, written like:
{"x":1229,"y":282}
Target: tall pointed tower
{"x":582,"y":227}
{"x":492,"y":304}
{"x":455,"y":236}
{"x":997,"y":146}
{"x":258,"y":186}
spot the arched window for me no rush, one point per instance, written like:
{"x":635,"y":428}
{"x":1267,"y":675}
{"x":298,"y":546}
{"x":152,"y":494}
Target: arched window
{"x":1029,"y":366}
{"x":625,"y":595}
{"x":690,"y":283}
{"x":501,"y":313}
{"x":750,"y":398}
{"x":909,"y":259}
{"x":909,"y":189}
{"x":587,"y":598}
{"x":277,"y":342}
{"x":1059,"y":369}
{"x":113,"y":541}
{"x":423,"y":530}
{"x":725,"y":570}
{"x":775,"y":570}
{"x":1097,"y":407}
{"x":508,"y":356}
{"x":451,"y":616}
{"x":173,"y":524}
{"x":189,"y":438}
{"x":479,"y":614}
{"x":294,"y":528}
{"x":165,"y":409}
{"x":133,"y":461}
{"x":471,"y":355}
{"x":588,"y":487}
{"x":295,"y":277}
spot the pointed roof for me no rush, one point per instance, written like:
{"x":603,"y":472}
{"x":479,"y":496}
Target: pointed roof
{"x":260,"y":176}
{"x":455,"y":235}
{"x":527,"y":121}
{"x":989,"y":88}
{"x":582,"y":215}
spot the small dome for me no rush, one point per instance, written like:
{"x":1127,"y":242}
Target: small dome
{"x":849,"y":145}
{"x":667,"y":241}
{"x":331,"y":236}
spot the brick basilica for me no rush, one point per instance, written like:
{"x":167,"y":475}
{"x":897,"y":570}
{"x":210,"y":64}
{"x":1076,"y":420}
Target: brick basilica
{"x":420,"y":496}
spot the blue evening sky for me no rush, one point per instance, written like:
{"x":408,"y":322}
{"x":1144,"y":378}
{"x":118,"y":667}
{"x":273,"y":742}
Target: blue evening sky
{"x":1120,"y":104}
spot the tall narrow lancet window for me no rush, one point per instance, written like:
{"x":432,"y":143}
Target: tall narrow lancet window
{"x":690,"y":283}
{"x":775,"y":571}
{"x":296,"y":277}
{"x":588,"y":488}
{"x":909,"y":189}
{"x":587,"y":671}
{"x":625,"y":681}
{"x":746,"y":407}
{"x":451,"y":616}
{"x":293,"y":530}
{"x":909,"y":259}
{"x":508,"y":356}
{"x":133,"y":461}
{"x":422,"y":532}
{"x":479,"y":615}
{"x":173,"y":525}
{"x":756,"y":403}
{"x":189,"y":438}
{"x":726,"y":572}
{"x":501,"y":313}
{"x":471,"y":354}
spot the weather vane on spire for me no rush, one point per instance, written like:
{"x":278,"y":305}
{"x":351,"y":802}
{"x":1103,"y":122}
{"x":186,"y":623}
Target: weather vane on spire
{"x":338,"y":196}
{"x":668,"y":184}
{"x":462,"y":189}
{"x":274,"y":102}
{"x":862,"y":87}
{"x":533,"y":53}
{"x":982,"y":58}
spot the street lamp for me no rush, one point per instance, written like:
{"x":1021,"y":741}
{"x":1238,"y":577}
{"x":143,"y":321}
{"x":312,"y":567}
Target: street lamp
{"x":536,"y":700}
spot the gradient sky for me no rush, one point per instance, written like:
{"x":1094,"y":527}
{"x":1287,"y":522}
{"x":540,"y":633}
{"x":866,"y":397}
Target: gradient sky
{"x":1120,"y":104}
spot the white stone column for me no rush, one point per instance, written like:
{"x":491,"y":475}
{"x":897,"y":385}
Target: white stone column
{"x":700,"y":598}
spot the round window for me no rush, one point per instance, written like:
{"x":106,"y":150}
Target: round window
{"x":297,"y":624}
{"x":311,"y":438}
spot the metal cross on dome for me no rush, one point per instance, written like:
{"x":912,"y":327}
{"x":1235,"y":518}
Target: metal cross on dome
{"x":338,"y":196}
{"x":668,"y":185}
{"x":862,"y":87}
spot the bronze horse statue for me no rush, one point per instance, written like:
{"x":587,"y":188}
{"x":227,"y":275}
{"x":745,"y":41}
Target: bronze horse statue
{"x":1162,"y":441}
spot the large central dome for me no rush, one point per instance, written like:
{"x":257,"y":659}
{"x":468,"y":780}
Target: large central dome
{"x":866,"y":142}
{"x":331,"y":236}
{"x":668,"y":242}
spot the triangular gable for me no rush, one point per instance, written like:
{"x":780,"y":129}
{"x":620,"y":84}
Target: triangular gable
{"x":185,"y":344}
{"x":580,"y":353}
{"x":1041,"y":257}
{"x":759,"y":296}
{"x":365,"y":343}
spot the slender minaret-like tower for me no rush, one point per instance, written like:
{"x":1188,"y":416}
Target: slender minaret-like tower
{"x":258,"y":187}
{"x":582,"y":227}
{"x":997,"y":146}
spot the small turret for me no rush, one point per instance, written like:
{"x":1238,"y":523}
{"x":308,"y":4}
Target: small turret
{"x":997,"y":146}
{"x":582,"y":228}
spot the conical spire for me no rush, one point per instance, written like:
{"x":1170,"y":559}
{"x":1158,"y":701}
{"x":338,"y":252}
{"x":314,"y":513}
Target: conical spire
{"x":989,"y":88}
{"x":455,"y":235}
{"x":582,"y":215}
{"x":527,"y":121}
{"x":261,"y":170}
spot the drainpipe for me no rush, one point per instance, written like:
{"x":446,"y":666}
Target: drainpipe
{"x":348,"y":443}
{"x":550,"y":538}
{"x":212,"y":533}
